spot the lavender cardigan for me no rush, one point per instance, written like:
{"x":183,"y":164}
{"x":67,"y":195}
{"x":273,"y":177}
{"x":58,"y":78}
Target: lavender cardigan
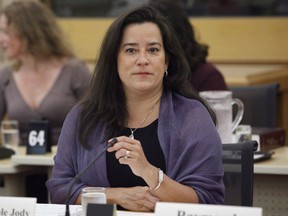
{"x":187,"y":135}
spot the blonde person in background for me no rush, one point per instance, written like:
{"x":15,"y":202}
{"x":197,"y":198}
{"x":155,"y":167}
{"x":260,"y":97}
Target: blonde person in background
{"x":45,"y":80}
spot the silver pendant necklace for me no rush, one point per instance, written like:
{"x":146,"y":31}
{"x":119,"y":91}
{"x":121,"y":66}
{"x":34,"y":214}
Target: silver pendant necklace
{"x":132,"y":133}
{"x":148,"y":114}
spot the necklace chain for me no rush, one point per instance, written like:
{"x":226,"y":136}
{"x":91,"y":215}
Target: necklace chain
{"x":148,"y":114}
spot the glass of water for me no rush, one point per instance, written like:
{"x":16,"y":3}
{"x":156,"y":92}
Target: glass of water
{"x":243,"y":133}
{"x":10,"y":134}
{"x":92,"y":195}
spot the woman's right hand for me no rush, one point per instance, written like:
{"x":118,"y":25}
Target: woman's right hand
{"x":129,"y":152}
{"x":133,"y":198}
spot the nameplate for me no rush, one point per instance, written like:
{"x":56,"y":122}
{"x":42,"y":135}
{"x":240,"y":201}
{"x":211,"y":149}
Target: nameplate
{"x":94,"y":209}
{"x":17,"y":206}
{"x":187,"y":209}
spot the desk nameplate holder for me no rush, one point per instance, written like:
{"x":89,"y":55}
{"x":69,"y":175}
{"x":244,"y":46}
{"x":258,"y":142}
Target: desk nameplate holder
{"x":94,"y":209}
{"x":187,"y":209}
{"x":39,"y":137}
{"x":14,"y":206}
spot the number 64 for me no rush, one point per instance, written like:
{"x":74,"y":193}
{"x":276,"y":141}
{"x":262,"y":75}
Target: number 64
{"x":35,"y":137}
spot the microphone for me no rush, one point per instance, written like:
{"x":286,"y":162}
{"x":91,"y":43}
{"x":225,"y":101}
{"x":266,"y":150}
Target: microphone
{"x":110,"y":144}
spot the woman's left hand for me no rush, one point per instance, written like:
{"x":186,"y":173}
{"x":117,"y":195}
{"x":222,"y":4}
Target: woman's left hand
{"x":132,"y":198}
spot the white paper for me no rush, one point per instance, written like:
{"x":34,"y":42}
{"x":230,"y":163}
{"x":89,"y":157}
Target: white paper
{"x":57,"y":210}
{"x":185,"y":209}
{"x":17,"y":206}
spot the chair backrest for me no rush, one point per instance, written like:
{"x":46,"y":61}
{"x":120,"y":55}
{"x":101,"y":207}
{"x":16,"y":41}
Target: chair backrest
{"x":260,"y":104}
{"x":238,"y":172}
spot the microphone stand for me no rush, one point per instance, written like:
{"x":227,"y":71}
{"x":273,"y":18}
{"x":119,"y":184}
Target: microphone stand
{"x":110,"y":144}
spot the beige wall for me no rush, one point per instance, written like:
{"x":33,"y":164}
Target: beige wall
{"x":260,"y":40}
{"x":231,"y":40}
{"x":3,"y":3}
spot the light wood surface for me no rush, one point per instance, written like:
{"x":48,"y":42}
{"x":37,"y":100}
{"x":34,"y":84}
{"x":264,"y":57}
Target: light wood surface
{"x":242,"y":40}
{"x":255,"y":74}
{"x":278,"y":164}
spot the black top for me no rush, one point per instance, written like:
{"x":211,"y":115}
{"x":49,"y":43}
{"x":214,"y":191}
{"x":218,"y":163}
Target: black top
{"x":120,"y":175}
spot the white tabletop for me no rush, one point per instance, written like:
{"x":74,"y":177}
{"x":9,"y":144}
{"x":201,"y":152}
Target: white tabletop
{"x":75,"y":210}
{"x":8,"y":167}
{"x":34,"y":159}
{"x":278,"y":164}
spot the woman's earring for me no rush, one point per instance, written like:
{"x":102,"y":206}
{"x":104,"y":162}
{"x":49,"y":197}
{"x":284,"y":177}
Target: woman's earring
{"x":166,"y":73}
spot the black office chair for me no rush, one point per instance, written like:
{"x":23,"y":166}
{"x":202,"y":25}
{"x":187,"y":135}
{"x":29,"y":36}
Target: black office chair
{"x":238,"y":172}
{"x":260,"y":104}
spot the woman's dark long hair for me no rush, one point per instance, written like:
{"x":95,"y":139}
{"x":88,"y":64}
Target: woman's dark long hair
{"x":106,"y":101}
{"x":195,"y":52}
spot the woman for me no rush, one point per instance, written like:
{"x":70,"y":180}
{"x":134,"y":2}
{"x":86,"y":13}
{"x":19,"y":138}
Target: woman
{"x":46,"y":80}
{"x":140,"y":94}
{"x":204,"y":75}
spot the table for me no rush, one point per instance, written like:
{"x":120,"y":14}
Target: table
{"x":270,"y":179}
{"x":34,"y":159}
{"x":271,"y":184}
{"x":59,"y":209}
{"x":42,"y":160}
{"x":246,"y":75}
{"x":271,"y":176}
{"x":13,"y":178}
{"x":14,"y":170}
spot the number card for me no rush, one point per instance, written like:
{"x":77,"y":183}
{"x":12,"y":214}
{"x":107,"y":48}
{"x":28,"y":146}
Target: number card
{"x":39,"y":137}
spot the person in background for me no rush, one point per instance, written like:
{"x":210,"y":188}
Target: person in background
{"x":45,"y":80}
{"x":204,"y":75}
{"x":167,"y":148}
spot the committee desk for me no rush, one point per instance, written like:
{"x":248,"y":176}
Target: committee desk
{"x":14,"y":170}
{"x":270,"y":177}
{"x":257,"y":74}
